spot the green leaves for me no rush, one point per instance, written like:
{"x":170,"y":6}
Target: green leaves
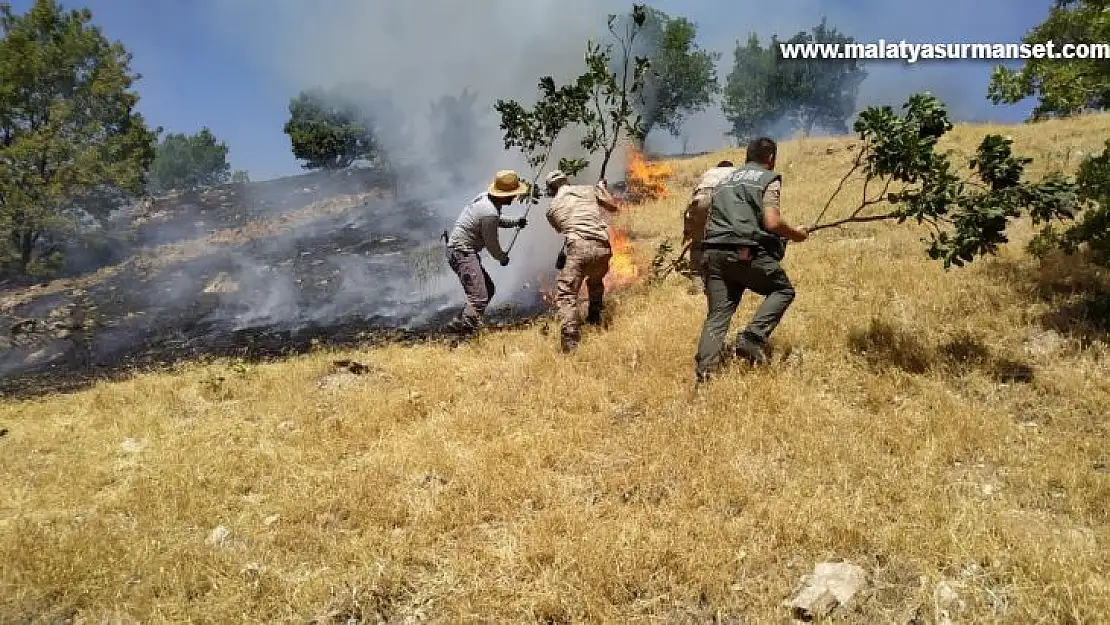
{"x":764,"y":87}
{"x":600,"y":101}
{"x":968,"y":217}
{"x":329,"y":131}
{"x":1062,"y":86}
{"x":1093,"y":225}
{"x":681,"y":78}
{"x":189,"y":161}
{"x":70,"y":138}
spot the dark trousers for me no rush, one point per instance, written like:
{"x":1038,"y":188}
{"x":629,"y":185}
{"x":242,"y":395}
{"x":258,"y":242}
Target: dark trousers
{"x":727,"y":276}
{"x":476,"y":284}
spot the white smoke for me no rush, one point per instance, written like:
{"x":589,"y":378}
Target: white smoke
{"x":412,"y":54}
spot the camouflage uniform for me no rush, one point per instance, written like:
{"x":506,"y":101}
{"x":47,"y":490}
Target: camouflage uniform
{"x":575,"y":213}
{"x":694,"y":219}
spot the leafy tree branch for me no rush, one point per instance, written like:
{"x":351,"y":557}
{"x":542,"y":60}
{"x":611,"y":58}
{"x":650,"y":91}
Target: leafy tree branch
{"x":968,"y":217}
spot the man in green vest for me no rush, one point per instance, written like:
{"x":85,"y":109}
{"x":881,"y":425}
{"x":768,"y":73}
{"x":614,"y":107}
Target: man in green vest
{"x":745,"y":238}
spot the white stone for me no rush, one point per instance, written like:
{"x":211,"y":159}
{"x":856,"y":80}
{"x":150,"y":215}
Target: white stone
{"x":832,"y":584}
{"x":131,"y":446}
{"x":219,"y":536}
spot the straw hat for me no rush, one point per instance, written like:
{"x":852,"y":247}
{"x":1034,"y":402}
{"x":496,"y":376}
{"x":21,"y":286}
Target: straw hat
{"x":507,"y":183}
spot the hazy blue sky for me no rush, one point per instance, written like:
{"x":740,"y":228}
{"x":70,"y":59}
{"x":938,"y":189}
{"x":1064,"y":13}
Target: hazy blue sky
{"x":197,"y":72}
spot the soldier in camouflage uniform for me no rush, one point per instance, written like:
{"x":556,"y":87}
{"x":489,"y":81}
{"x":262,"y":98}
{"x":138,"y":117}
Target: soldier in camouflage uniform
{"x":575,"y":213}
{"x":745,"y":238}
{"x":694,"y":217}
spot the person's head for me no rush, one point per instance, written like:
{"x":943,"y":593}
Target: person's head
{"x":506,"y":187}
{"x":725,"y":164}
{"x":555,"y":180}
{"x":763,"y":151}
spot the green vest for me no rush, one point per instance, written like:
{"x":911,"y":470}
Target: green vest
{"x":736,"y":213}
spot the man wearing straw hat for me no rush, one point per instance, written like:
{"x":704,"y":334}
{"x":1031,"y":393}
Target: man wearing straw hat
{"x":476,"y":230}
{"x":575,"y":213}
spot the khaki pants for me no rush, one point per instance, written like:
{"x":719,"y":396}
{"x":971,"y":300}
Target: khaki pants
{"x":587,"y":261}
{"x":693,"y":230}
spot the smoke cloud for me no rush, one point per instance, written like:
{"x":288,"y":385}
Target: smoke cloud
{"x":412,"y":54}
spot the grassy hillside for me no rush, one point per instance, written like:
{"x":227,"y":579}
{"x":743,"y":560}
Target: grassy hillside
{"x":944,"y":430}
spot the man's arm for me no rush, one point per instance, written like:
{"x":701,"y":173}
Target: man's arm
{"x":555,"y":225}
{"x":605,"y":199}
{"x":490,"y":237}
{"x":772,"y":218}
{"x":508,"y":222}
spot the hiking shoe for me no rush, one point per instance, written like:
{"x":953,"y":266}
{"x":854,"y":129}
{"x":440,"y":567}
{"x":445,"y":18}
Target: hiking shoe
{"x":460,"y":327}
{"x":750,"y":349}
{"x":593,"y":316}
{"x":568,"y":343}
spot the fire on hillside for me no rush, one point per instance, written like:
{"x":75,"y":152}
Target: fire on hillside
{"x":644,"y":182}
{"x":257,"y":271}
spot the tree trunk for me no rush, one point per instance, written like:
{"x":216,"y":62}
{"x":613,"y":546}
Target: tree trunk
{"x":807,"y":125}
{"x":604,"y":164}
{"x":25,"y":241}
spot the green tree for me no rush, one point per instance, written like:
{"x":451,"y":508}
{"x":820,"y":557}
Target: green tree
{"x":71,"y":141}
{"x":240,"y":176}
{"x":1092,"y":226}
{"x":1062,"y":86}
{"x":601,"y":100}
{"x":968,"y":217}
{"x":682,"y":79}
{"x":189,"y":161}
{"x":749,"y":103}
{"x":764,"y":87}
{"x":818,"y":92}
{"x":615,"y":95}
{"x":328,"y":130}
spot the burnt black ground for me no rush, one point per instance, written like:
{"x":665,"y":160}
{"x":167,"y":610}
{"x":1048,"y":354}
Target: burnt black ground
{"x":349,"y":279}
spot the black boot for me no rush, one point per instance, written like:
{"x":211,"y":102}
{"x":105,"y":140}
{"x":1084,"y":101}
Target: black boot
{"x":568,"y":342}
{"x":593,"y":315}
{"x":750,"y":347}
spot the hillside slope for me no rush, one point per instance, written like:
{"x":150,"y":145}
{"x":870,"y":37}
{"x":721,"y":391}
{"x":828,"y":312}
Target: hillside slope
{"x":947,"y":431}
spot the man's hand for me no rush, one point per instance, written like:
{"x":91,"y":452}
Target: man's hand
{"x":520,"y":223}
{"x":803,"y":234}
{"x":504,"y":261}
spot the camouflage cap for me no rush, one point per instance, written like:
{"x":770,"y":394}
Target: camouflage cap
{"x":555,"y":176}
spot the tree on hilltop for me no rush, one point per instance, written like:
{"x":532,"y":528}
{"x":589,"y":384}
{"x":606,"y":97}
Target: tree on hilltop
{"x":749,"y":102}
{"x":682,"y":78}
{"x":764,"y":87}
{"x":1062,"y":86}
{"x":328,"y":130}
{"x":820,"y":92}
{"x":189,"y":161}
{"x":71,"y":141}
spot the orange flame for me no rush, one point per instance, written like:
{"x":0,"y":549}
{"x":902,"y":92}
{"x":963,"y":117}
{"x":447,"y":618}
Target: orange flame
{"x":646,"y":181}
{"x":623,"y":270}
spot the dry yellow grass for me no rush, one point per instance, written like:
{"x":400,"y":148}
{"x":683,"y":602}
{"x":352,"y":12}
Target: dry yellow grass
{"x":930,"y":426}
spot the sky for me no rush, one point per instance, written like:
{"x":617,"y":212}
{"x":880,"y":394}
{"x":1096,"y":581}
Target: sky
{"x":214,"y":62}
